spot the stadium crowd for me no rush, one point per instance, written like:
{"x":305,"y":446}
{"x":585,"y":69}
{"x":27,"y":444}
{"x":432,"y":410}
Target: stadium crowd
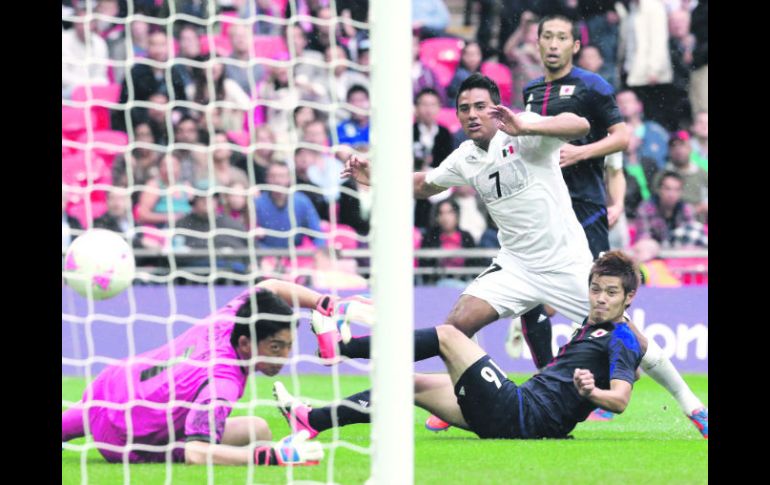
{"x":226,"y":131}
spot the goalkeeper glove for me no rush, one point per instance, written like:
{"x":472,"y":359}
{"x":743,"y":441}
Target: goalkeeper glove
{"x":292,"y":450}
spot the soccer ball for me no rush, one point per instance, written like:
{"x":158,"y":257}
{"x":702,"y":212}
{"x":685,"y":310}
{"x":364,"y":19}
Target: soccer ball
{"x":99,"y":264}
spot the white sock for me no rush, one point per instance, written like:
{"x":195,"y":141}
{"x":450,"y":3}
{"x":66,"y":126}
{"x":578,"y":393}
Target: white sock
{"x":660,"y":368}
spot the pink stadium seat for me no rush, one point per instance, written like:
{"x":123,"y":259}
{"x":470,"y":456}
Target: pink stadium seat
{"x":75,"y":170}
{"x":441,"y":50}
{"x":443,"y":74}
{"x":73,"y":122}
{"x":447,"y":118}
{"x":226,"y":24}
{"x":344,"y":236}
{"x":100,"y":115}
{"x":269,"y":46}
{"x":222,"y":46}
{"x":78,"y":211}
{"x":239,"y":137}
{"x":500,"y":74}
{"x":112,"y":137}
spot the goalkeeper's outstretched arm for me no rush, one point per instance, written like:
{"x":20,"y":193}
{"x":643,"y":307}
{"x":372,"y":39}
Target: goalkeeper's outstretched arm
{"x":305,"y":297}
{"x":292,"y":450}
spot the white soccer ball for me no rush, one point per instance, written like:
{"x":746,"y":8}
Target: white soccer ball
{"x":99,"y":264}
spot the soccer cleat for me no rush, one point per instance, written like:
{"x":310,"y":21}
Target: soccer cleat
{"x":328,"y":335}
{"x":700,"y":418}
{"x":600,"y":414}
{"x":293,"y":410}
{"x":434,"y":423}
{"x":514,"y":342}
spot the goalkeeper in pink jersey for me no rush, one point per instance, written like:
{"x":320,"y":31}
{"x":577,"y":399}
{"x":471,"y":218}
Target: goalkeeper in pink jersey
{"x":173,"y":403}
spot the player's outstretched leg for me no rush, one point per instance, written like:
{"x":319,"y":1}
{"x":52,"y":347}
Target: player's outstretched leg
{"x":300,"y":416}
{"x":660,"y":368}
{"x":536,"y":327}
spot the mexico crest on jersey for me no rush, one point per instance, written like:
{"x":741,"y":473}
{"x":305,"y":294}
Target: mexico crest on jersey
{"x":508,"y":150}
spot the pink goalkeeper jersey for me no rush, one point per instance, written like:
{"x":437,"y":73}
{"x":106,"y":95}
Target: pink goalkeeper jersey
{"x":190,"y":369}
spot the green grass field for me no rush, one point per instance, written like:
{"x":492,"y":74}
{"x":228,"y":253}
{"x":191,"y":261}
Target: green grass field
{"x":651,"y":443}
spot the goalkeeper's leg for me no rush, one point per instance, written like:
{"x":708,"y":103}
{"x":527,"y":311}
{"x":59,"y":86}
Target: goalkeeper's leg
{"x":72,"y":423}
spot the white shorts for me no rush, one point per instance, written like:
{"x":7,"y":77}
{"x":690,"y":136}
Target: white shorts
{"x":512,"y":290}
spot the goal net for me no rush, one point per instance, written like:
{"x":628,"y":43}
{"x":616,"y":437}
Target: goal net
{"x":211,"y":136}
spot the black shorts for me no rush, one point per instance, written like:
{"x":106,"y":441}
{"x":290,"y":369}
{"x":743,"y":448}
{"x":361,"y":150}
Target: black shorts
{"x":490,"y":402}
{"x":593,"y":218}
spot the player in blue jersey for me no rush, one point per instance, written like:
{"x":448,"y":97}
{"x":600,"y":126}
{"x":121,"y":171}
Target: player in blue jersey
{"x":568,"y":89}
{"x":597,"y":367}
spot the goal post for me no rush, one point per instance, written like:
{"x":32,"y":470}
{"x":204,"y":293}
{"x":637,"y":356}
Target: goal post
{"x":392,"y":222}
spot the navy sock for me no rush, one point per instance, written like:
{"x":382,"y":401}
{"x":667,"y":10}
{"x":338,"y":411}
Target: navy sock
{"x":538,"y":335}
{"x":425,"y":345}
{"x":321,"y":419}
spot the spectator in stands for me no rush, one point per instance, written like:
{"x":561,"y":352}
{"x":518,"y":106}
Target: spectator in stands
{"x":319,"y":38}
{"x":602,"y":22}
{"x":680,"y":44}
{"x":148,"y":79}
{"x":261,"y":157}
{"x":640,"y":176}
{"x":430,"y":18}
{"x":355,"y":131}
{"x":235,"y":205}
{"x":116,"y":218}
{"x":155,"y":117}
{"x":304,"y":115}
{"x":645,"y":61}
{"x":309,"y":75}
{"x":203,"y":209}
{"x":269,"y":8}
{"x":696,"y":181}
{"x":247,"y":75}
{"x":306,"y":160}
{"x":114,"y":34}
{"x":284,"y":99}
{"x":523,"y":57}
{"x":272,"y":207}
{"x":189,"y":43}
{"x":422,"y":75}
{"x":155,"y":206}
{"x":699,"y":78}
{"x":69,"y":225}
{"x":362,"y":51}
{"x":654,"y":138}
{"x":316,"y":132}
{"x":140,"y":37}
{"x":192,"y":154}
{"x":225,"y":173}
{"x":700,"y":141}
{"x":667,"y":221}
{"x":75,"y":44}
{"x":143,"y":161}
{"x":445,"y":233}
{"x":432,"y":143}
{"x":590,"y":58}
{"x":470,"y":63}
{"x":235,"y":101}
{"x":343,"y":78}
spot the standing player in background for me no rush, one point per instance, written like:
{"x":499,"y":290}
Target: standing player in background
{"x":569,"y":89}
{"x":204,"y":371}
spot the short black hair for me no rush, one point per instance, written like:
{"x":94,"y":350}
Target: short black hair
{"x":425,"y":91}
{"x":479,"y":81}
{"x":669,"y":174}
{"x":575,"y":27}
{"x":356,"y":88}
{"x":268,"y":306}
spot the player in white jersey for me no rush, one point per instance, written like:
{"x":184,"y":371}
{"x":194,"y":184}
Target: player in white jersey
{"x":513,"y":163}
